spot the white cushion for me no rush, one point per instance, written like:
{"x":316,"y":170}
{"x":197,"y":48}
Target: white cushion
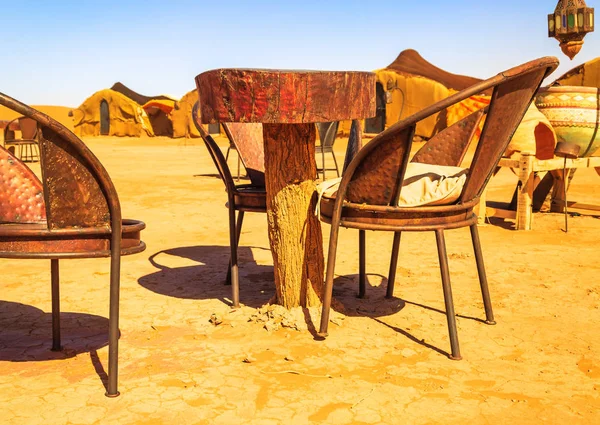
{"x":424,"y":184}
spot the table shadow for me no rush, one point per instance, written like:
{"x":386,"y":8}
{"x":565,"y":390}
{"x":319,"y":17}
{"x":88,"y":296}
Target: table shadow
{"x":206,"y":280}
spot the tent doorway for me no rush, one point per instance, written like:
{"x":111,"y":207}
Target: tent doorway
{"x":377,"y":123}
{"x":104,"y":118}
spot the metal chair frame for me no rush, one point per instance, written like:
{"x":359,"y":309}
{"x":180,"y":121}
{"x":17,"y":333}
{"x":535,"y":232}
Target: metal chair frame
{"x":327,"y":134}
{"x":82,"y":220}
{"x":368,"y":193}
{"x":27,"y":142}
{"x":241,"y":198}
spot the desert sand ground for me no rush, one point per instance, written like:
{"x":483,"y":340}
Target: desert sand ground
{"x":384,"y":362}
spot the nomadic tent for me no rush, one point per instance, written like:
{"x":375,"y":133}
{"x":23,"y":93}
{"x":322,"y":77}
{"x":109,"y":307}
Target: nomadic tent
{"x":140,"y":99}
{"x":586,"y":74}
{"x":410,"y":84}
{"x":181,"y":116}
{"x":110,"y":113}
{"x":158,"y":109}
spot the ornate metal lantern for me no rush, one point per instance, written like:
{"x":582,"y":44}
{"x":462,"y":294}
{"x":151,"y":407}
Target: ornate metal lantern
{"x":569,"y":23}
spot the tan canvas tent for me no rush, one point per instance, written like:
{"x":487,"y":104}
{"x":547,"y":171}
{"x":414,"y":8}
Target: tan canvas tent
{"x":586,"y":74}
{"x":110,"y":113}
{"x":158,"y":108}
{"x":140,"y":99}
{"x":158,"y":111}
{"x":181,"y":116}
{"x":410,"y":84}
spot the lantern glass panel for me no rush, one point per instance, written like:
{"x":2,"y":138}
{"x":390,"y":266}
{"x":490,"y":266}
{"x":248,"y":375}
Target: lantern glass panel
{"x":580,"y":20}
{"x":571,"y":20}
{"x":557,"y":19}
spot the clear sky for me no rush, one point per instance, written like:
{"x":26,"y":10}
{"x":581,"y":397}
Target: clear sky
{"x":60,"y":52}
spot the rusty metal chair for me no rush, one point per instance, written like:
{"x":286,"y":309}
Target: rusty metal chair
{"x":230,"y":148}
{"x":370,"y":189}
{"x":247,"y":140}
{"x":244,"y":197}
{"x":73,"y":212}
{"x":327,"y":134}
{"x":26,"y":148}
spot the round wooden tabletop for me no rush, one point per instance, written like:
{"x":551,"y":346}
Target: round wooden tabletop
{"x":285,"y":96}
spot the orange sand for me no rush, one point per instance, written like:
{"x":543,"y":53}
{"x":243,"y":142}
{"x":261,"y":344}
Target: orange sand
{"x":384,"y":361}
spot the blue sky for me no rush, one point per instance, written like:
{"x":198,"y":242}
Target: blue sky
{"x":60,"y":52}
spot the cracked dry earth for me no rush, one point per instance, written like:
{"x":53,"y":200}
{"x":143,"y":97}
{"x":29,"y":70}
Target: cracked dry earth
{"x":187,"y":358}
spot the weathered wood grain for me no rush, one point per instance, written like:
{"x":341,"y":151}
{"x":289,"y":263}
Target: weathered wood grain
{"x":285,"y":97}
{"x":294,"y":230}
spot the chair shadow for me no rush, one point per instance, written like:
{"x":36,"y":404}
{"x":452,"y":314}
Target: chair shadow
{"x":26,"y":335}
{"x":206,"y":280}
{"x":375,"y":305}
{"x":501,"y":222}
{"x":215,"y":175}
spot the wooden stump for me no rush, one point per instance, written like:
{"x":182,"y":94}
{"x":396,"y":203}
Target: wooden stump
{"x":294,"y":230}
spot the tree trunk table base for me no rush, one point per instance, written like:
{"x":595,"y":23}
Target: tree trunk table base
{"x":294,"y":229}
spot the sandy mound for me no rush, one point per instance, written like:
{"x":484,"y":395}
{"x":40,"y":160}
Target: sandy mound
{"x":59,"y":113}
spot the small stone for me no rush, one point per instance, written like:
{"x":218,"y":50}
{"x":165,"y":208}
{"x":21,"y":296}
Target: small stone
{"x":249,"y":359}
{"x":271,"y":326}
{"x":407,"y":352}
{"x":215,"y":320}
{"x":289,"y":358}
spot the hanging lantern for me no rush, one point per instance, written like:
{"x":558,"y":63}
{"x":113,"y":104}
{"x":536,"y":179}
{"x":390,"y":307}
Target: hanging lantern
{"x":569,"y":23}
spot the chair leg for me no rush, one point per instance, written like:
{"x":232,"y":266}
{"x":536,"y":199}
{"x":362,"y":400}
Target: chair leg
{"x":393,"y":265}
{"x":485,"y":292}
{"x":227,"y":153}
{"x":323,"y":162}
{"x":337,"y":170}
{"x":450,"y":315}
{"x":238,"y":167}
{"x":362,"y":266}
{"x":233,"y":242}
{"x":328,"y":288}
{"x":113,"y":322}
{"x":54,"y":273}
{"x":240,"y":220}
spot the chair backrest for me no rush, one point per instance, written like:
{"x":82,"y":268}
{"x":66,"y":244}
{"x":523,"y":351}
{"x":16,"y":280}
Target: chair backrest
{"x":449,"y":146}
{"x":214,"y":151}
{"x":9,"y":130}
{"x":248,"y":141}
{"x":78,"y":192}
{"x":21,"y":192}
{"x":327,"y":132}
{"x":354,"y":143}
{"x":375,"y":176}
{"x":29,"y":128}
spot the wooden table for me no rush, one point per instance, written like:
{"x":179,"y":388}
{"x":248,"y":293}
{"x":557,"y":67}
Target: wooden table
{"x":528,"y":166}
{"x":288,"y":103}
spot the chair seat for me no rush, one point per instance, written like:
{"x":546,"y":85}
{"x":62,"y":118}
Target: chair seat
{"x":427,"y":199}
{"x":35,"y":240}
{"x":250,"y":198}
{"x":372,"y":217}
